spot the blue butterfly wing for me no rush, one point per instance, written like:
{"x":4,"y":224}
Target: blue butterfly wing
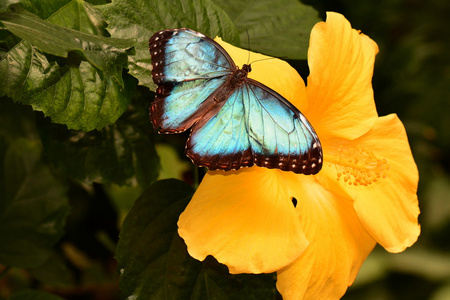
{"x":231,"y":127}
{"x":257,"y":126}
{"x":222,"y":141}
{"x":188,"y":68}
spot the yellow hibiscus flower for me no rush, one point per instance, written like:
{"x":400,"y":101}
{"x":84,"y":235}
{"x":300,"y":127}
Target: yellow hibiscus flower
{"x":315,"y":230}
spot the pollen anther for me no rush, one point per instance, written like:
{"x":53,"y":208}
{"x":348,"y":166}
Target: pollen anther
{"x":357,"y":166}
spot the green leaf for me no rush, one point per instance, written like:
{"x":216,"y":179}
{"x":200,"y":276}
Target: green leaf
{"x":16,"y":121}
{"x":71,"y":91}
{"x":151,"y":257}
{"x":34,"y":295}
{"x":4,"y":4}
{"x":214,"y":282}
{"x":53,"y":271}
{"x":277,"y":28}
{"x":46,"y":8}
{"x":140,"y":19}
{"x":154,"y":262}
{"x":103,"y":53}
{"x":33,"y":206}
{"x":81,"y":99}
{"x":119,"y":153}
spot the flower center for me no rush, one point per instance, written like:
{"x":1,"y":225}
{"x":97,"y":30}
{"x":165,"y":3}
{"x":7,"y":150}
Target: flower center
{"x":358,"y":166}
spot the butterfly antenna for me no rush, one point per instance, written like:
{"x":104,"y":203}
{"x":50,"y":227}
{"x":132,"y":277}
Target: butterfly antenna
{"x":249,"y":49}
{"x":264,"y":59}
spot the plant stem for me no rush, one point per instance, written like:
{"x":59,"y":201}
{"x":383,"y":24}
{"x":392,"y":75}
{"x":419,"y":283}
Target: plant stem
{"x":195,"y":177}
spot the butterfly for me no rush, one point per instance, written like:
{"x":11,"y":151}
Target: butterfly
{"x":235,"y":121}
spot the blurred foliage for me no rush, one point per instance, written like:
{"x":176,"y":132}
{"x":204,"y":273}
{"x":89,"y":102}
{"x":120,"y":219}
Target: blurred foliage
{"x":70,"y":184}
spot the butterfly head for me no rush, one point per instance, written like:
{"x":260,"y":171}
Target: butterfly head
{"x":247,"y":68}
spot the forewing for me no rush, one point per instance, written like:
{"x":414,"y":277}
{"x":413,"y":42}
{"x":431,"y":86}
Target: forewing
{"x":256,"y":126}
{"x":187,"y":67}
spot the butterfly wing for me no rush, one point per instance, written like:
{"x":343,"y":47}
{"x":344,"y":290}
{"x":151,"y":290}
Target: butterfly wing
{"x":187,"y":67}
{"x":257,"y":126}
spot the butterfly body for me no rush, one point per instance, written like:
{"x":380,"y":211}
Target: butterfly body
{"x":235,"y":121}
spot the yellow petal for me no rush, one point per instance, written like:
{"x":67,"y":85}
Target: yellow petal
{"x":272,"y":72}
{"x":378,"y":171}
{"x":339,"y":89}
{"x":338,"y":246}
{"x":245,"y":219}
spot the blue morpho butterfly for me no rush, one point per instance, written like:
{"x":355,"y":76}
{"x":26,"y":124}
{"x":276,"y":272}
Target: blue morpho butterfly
{"x":236,"y":121}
